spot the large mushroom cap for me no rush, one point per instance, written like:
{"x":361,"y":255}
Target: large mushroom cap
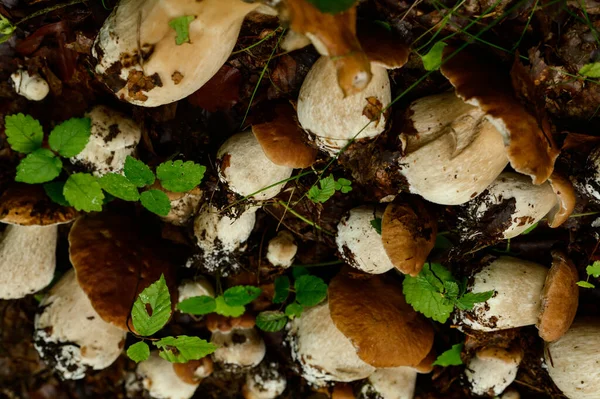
{"x":70,"y":335}
{"x":115,"y":261}
{"x":383,"y":328}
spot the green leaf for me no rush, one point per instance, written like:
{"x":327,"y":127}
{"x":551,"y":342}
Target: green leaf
{"x":138,"y":352}
{"x":325,"y":190}
{"x":54,"y":191}
{"x":224,"y":309}
{"x":157,"y":297}
{"x":468,"y":301}
{"x":424,"y":292}
{"x":332,"y":6}
{"x":271,"y":321}
{"x":310,"y":290}
{"x":282,"y":289}
{"x":156,"y":202}
{"x":83,"y":192}
{"x":294,"y":310}
{"x":593,"y":269}
{"x":198,"y":305}
{"x":6,"y":29}
{"x":451,"y":357}
{"x":530,"y":229}
{"x":181,"y":25}
{"x":451,"y":290}
{"x":241,"y":295}
{"x":179,"y":177}
{"x":119,"y":186}
{"x":70,"y":137}
{"x":40,"y":166}
{"x":24,"y":134}
{"x":138,"y":172}
{"x":433,"y":59}
{"x":343,"y":185}
{"x":585,"y":284}
{"x":591,"y":70}
{"x":442,"y":242}
{"x":299,"y":271}
{"x":182,"y":349}
{"x":376,"y":224}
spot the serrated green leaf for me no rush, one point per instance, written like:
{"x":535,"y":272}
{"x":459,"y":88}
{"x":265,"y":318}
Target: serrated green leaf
{"x":343,"y":185}
{"x":119,"y":186}
{"x":323,"y":191}
{"x":294,"y":310}
{"x":376,"y":224}
{"x":181,"y":26}
{"x":6,"y":29}
{"x":333,"y":6}
{"x":54,"y":191}
{"x":468,"y":301}
{"x":424,"y":292}
{"x":24,"y":134}
{"x":179,"y":176}
{"x":451,"y":357}
{"x":241,"y":295}
{"x":182,"y":349}
{"x":224,"y":309}
{"x":138,"y":172}
{"x":271,"y":321}
{"x":310,"y":290}
{"x":41,"y":166}
{"x":138,"y":352}
{"x":433,"y":59}
{"x":83,"y":192}
{"x":282,"y":289}
{"x":70,"y":137}
{"x":198,"y":305}
{"x":451,"y":290}
{"x":158,"y":298}
{"x":156,"y":202}
{"x":591,"y":70}
{"x":585,"y":284}
{"x":299,"y":271}
{"x":593,"y":269}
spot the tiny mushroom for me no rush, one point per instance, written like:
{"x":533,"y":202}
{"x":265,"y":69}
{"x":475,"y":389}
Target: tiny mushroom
{"x":70,"y":336}
{"x":194,"y":371}
{"x":493,"y":369}
{"x":28,"y":244}
{"x":264,"y":382}
{"x":114,"y":136}
{"x":238,"y":342}
{"x":282,"y":249}
{"x":32,"y":87}
{"x":525,"y":293}
{"x":390,"y":383}
{"x":200,"y":286}
{"x":161,"y":380}
{"x":183,"y":205}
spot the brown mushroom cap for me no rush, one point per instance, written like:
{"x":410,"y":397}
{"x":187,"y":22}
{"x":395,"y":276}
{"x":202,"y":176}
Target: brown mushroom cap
{"x":530,"y":149}
{"x":382,"y":47}
{"x":374,"y":316}
{"x":342,"y":391}
{"x":187,"y":371}
{"x":114,"y":262}
{"x":565,"y":193}
{"x":28,"y":205}
{"x":283,"y":140}
{"x":426,"y":365}
{"x":408,"y":233}
{"x":560,"y":298}
{"x":215,"y":322}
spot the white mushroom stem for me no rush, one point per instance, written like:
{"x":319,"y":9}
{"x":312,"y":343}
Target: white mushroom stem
{"x":322,"y":351}
{"x":517,"y":286}
{"x":160,"y":380}
{"x":242,"y":347}
{"x":573,"y":360}
{"x":71,"y":336}
{"x":198,"y":287}
{"x":265,"y":382}
{"x":32,"y":87}
{"x":453,"y":152}
{"x":331,"y":118}
{"x":492,"y":370}
{"x":27,"y":259}
{"x":183,"y":206}
{"x":391,"y":383}
{"x":282,"y":249}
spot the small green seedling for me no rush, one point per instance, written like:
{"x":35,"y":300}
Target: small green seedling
{"x":592,"y":270}
{"x":327,"y":187}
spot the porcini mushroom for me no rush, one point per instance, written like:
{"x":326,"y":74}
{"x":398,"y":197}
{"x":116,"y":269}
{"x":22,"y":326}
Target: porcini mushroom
{"x":493,"y":369}
{"x":70,"y":336}
{"x":391,"y":383}
{"x":238,"y":342}
{"x":194,"y":371}
{"x":183,"y":205}
{"x":28,"y":244}
{"x":32,"y":87}
{"x":161,"y":381}
{"x":264,"y":382}
{"x":200,"y":286}
{"x":282,"y":249}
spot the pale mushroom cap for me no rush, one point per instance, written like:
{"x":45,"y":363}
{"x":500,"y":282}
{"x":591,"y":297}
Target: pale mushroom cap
{"x":492,"y":370}
{"x":245,"y":168}
{"x":264,"y":383}
{"x":160,"y":380}
{"x":70,"y":335}
{"x":282,"y":249}
{"x":323,"y":352}
{"x":198,"y":287}
{"x":114,"y":137}
{"x":573,"y":360}
{"x":32,"y":87}
{"x":360,"y":244}
{"x":518,"y":286}
{"x":183,"y":207}
{"x":242,"y":347}
{"x":332,"y":119}
{"x":456,"y":152}
{"x":142,"y":26}
{"x":391,"y":383}
{"x":27,"y":259}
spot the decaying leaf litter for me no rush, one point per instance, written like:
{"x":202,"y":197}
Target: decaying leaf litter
{"x":524,"y":69}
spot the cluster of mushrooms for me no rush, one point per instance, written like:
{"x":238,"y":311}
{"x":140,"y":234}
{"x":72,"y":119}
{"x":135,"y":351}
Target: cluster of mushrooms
{"x":456,"y":147}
